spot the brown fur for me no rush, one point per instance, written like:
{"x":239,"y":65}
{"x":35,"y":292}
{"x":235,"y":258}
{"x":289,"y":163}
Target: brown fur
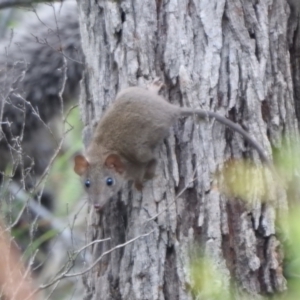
{"x":126,"y":140}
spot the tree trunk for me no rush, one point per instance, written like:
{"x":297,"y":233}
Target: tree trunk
{"x":230,"y":57}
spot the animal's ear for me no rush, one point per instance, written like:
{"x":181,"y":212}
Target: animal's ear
{"x":81,"y":164}
{"x":113,"y":161}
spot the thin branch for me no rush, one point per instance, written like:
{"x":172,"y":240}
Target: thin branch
{"x":90,"y":244}
{"x":44,"y":213}
{"x":105,"y":253}
{"x":43,"y":41}
{"x":25,"y":275}
{"x":65,"y":274}
{"x":52,"y":291}
{"x":57,"y":150}
{"x":12,"y":3}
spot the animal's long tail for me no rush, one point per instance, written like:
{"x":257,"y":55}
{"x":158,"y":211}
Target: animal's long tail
{"x":234,"y":126}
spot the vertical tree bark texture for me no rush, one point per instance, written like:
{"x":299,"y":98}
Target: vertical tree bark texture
{"x":227,"y":56}
{"x":294,"y":44}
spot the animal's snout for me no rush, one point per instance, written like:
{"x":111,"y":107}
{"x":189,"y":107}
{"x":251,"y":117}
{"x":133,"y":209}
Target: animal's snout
{"x":98,"y":207}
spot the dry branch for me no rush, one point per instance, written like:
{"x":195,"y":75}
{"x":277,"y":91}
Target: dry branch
{"x":12,"y":3}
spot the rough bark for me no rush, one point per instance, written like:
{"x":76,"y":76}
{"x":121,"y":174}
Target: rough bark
{"x":227,"y":56}
{"x":294,"y":44}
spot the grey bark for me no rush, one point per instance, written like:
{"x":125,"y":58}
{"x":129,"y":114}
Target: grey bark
{"x":294,"y":45}
{"x":227,"y":56}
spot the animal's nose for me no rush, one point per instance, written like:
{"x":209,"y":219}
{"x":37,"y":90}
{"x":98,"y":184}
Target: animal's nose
{"x":97,"y":206}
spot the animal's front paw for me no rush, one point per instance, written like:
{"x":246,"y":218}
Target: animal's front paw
{"x":138,"y":185}
{"x":150,"y":170}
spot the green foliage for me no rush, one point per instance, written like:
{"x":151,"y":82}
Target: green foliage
{"x":207,"y":280}
{"x":290,"y":226}
{"x":287,"y":159}
{"x":244,"y":180}
{"x":38,"y":242}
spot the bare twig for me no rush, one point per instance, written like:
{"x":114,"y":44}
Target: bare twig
{"x":25,"y":275}
{"x":57,"y":150}
{"x":12,"y":3}
{"x":52,"y":290}
{"x":44,"y":41}
{"x":90,"y":244}
{"x":105,"y":253}
{"x":45,"y":214}
{"x":66,"y":273}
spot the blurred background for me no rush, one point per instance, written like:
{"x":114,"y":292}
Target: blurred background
{"x":42,"y":200}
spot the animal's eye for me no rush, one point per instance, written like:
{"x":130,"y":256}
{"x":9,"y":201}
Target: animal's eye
{"x":109,"y":181}
{"x":87,"y":183}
